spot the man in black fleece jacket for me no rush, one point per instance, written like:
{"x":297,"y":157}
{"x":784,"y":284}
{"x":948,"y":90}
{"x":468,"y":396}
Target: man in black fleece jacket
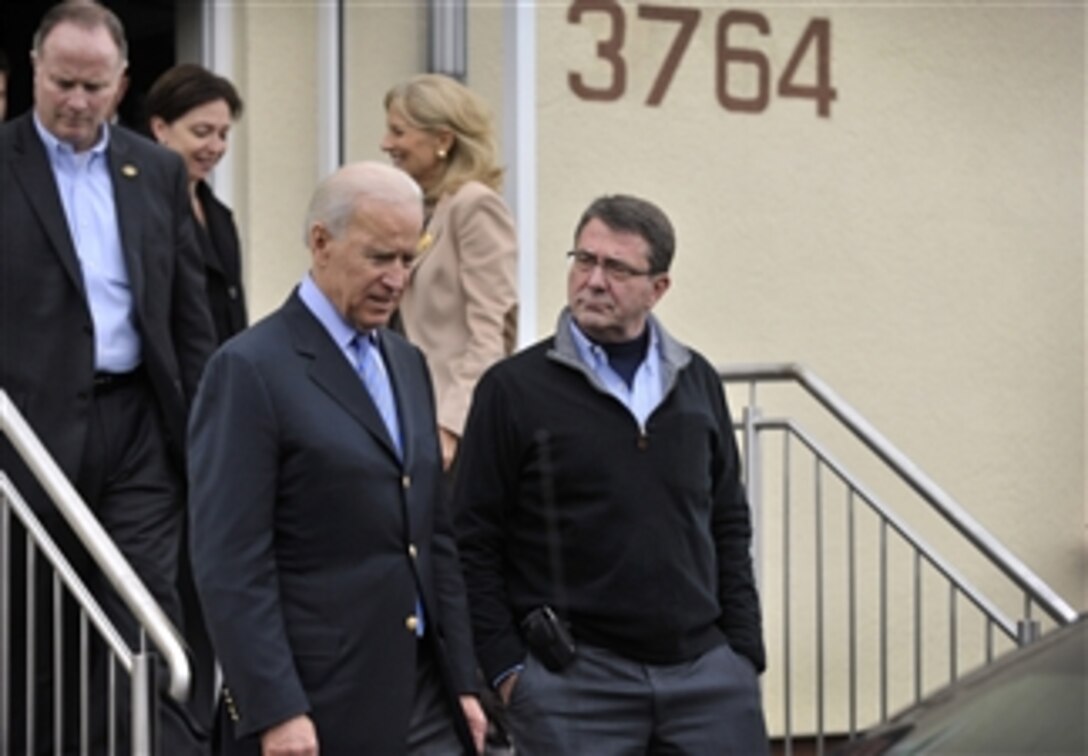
{"x":604,"y":531}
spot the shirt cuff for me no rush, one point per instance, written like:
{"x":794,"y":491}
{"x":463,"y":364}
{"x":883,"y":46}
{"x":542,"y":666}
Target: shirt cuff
{"x":516,"y":669}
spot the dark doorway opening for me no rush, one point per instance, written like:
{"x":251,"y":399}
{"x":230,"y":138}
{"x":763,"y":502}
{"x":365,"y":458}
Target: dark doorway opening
{"x":149,"y":27}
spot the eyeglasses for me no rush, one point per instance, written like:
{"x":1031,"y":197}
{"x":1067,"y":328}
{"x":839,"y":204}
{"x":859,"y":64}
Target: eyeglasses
{"x":614,"y":270}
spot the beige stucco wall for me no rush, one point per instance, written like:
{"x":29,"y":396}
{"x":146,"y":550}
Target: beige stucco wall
{"x":922,"y":249}
{"x":374,"y":63}
{"x":275,"y":154}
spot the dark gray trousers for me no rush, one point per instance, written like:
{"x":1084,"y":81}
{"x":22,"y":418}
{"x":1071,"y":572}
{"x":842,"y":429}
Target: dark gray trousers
{"x":431,"y":731}
{"x":607,"y":705}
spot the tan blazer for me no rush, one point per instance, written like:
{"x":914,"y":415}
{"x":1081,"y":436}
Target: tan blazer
{"x":460,"y":306}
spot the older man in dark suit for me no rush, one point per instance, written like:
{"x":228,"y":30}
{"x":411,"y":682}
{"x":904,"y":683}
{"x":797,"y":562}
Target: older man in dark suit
{"x":104,"y":328}
{"x":323,"y":557}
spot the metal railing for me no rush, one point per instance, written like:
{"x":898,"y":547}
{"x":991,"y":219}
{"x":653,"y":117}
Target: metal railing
{"x":830,"y":672}
{"x":138,"y":664}
{"x":855,"y":627}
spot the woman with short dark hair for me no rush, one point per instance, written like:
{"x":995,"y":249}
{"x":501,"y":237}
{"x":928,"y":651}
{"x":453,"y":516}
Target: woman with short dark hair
{"x":191,"y":111}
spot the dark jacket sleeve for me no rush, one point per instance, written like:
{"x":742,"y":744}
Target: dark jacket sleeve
{"x":732,"y":529}
{"x":485,"y":492}
{"x":233,"y":468}
{"x":448,"y":577}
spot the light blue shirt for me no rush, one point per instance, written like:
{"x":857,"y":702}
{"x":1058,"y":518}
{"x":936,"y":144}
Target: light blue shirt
{"x":647,"y":388}
{"x":330,"y":318}
{"x":86,"y":194}
{"x":343,"y":336}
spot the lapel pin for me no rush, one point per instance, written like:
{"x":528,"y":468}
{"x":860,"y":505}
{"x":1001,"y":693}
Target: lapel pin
{"x":425,"y":242}
{"x":129,"y":170}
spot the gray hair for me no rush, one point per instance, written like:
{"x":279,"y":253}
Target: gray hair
{"x":337,"y":195}
{"x":85,"y":14}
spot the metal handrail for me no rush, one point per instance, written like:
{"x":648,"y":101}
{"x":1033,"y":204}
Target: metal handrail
{"x":68,"y":576}
{"x":100,"y":546}
{"x":898,"y":524}
{"x":1022,"y":575}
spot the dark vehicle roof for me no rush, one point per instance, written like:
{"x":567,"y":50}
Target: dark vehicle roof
{"x":1033,"y":700}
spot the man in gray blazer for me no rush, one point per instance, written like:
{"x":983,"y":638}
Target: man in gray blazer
{"x":104,"y":327}
{"x":323,"y":557}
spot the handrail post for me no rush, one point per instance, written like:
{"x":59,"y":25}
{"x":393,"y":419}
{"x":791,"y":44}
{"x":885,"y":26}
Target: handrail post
{"x":1027,"y":631}
{"x":144,"y":702}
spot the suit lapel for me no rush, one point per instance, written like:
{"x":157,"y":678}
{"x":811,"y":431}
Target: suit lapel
{"x":211,"y":244}
{"x":332,"y":373}
{"x":32,"y":170}
{"x":399,"y":364}
{"x":215,"y":228}
{"x":128,"y":191}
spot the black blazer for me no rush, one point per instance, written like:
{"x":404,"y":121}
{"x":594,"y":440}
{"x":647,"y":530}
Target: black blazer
{"x":222,"y":265}
{"x":46,"y":332}
{"x":311,"y":540}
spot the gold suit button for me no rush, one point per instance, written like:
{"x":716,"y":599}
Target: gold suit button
{"x":232,"y":709}
{"x":411,"y":622}
{"x":412,"y":550}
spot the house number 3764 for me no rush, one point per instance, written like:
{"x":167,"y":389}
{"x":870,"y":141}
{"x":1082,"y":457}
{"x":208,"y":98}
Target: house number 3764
{"x":806,"y":75}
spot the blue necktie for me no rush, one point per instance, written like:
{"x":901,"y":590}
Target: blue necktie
{"x":372,"y":370}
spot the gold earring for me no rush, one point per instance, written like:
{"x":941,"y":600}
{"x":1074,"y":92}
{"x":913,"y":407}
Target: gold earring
{"x":441,"y":154}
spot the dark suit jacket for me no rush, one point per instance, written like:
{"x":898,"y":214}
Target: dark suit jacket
{"x":46,"y":332}
{"x":311,"y":540}
{"x":222,"y":265}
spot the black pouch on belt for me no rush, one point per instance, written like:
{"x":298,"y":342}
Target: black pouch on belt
{"x":548,"y":638}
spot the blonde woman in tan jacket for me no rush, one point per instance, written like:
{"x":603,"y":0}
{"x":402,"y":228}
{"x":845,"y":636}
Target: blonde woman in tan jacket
{"x":460,"y":305}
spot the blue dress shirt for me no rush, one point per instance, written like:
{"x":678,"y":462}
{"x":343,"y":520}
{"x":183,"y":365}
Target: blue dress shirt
{"x":647,"y":389}
{"x":86,"y":194}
